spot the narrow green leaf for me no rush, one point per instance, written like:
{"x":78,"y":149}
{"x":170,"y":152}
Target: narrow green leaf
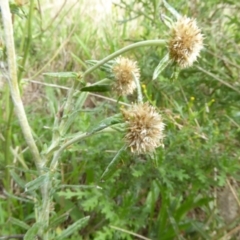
{"x":106,"y":123}
{"x":19,"y":223}
{"x":32,"y":232}
{"x":36,"y":183}
{"x":33,"y":172}
{"x":82,"y":96}
{"x":163,"y":215}
{"x":161,"y":66}
{"x":72,"y":228}
{"x":97,"y":88}
{"x":18,"y":198}
{"x":83,"y":46}
{"x":79,"y":60}
{"x":63,"y":74}
{"x":171,"y":9}
{"x":112,"y":163}
{"x":200,"y":228}
{"x":78,"y":186}
{"x":174,"y":225}
{"x":17,"y":179}
{"x":188,"y":205}
{"x":56,"y":221}
{"x":107,"y":67}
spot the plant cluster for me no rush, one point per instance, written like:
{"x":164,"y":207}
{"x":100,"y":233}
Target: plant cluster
{"x":149,"y":151}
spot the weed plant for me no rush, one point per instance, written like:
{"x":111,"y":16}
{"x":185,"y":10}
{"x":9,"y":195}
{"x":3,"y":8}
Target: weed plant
{"x":128,"y":137}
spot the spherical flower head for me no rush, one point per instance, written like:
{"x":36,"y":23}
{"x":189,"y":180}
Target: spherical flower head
{"x":186,"y":42}
{"x":144,"y":128}
{"x":124,"y":71}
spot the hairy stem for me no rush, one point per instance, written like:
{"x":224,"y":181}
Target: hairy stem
{"x":77,"y":138}
{"x":139,"y":90}
{"x":13,"y":83}
{"x":19,"y":108}
{"x":147,"y":43}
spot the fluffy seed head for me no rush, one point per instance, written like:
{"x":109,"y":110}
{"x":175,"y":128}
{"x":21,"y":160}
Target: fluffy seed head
{"x":123,"y":71}
{"x":186,"y":42}
{"x":145,"y":128}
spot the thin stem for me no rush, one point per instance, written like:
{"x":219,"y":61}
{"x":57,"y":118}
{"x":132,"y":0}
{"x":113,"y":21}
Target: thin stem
{"x":13,"y":83}
{"x":56,"y":53}
{"x":79,"y":137}
{"x":63,"y":147}
{"x":218,"y":79}
{"x":27,"y":39}
{"x":139,"y":90}
{"x":123,"y":50}
{"x":129,"y":232}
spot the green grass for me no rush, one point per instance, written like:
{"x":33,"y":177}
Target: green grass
{"x":172,"y":195}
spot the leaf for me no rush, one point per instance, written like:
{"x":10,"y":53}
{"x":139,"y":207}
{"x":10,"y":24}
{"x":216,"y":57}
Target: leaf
{"x":174,"y":224}
{"x":15,"y":9}
{"x":97,"y":88}
{"x":200,"y":228}
{"x":107,"y":67}
{"x":72,"y":228}
{"x":161,"y":66}
{"x":69,"y":206}
{"x":36,"y":183}
{"x":171,"y":9}
{"x":107,"y":122}
{"x":68,"y":194}
{"x":17,"y":179}
{"x":83,"y":46}
{"x":33,"y":172}
{"x":188,"y":205}
{"x":63,"y":74}
{"x":163,"y":215}
{"x":18,"y":198}
{"x":19,"y":223}
{"x":91,"y":203}
{"x":32,"y":232}
{"x":112,"y":163}
{"x":56,"y":221}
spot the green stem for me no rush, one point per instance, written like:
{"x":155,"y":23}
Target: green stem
{"x":27,"y":40}
{"x":123,"y":50}
{"x":9,"y":105}
{"x":13,"y":83}
{"x":77,"y":138}
{"x":139,"y":90}
{"x":63,"y":147}
{"x":19,"y":108}
{"x":7,"y":152}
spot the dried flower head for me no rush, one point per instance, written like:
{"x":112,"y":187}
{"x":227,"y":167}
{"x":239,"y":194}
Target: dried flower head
{"x":145,"y":128}
{"x":123,"y":71}
{"x":186,"y":42}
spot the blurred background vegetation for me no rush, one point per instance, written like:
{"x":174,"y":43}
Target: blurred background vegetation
{"x":190,"y":189}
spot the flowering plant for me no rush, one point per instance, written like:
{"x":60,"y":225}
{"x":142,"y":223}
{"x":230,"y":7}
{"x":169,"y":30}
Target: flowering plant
{"x":141,"y":122}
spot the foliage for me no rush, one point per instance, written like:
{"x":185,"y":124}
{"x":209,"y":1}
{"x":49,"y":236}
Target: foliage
{"x":170,"y":195}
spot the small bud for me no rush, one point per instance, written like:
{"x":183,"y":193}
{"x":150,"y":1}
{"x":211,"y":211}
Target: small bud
{"x":192,"y":98}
